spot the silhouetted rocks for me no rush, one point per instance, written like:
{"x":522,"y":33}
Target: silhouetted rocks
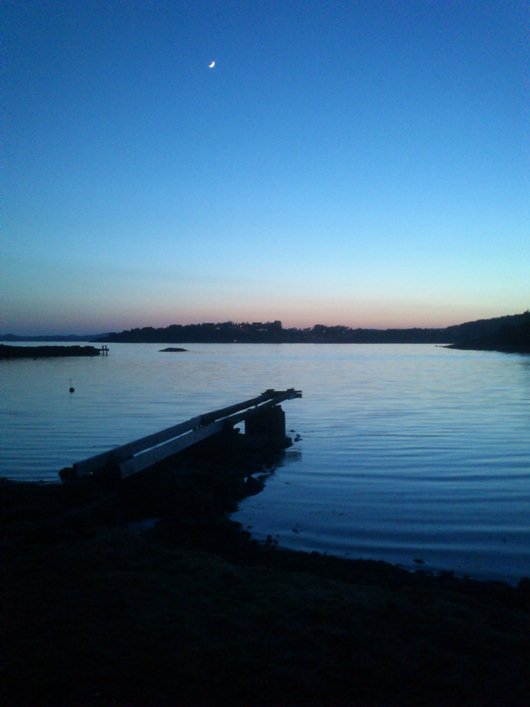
{"x":46,"y":351}
{"x":172,"y":349}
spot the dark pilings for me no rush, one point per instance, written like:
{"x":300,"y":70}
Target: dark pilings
{"x":269,"y":426}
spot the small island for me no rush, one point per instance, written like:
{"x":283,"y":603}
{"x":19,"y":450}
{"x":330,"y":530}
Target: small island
{"x":172,"y":349}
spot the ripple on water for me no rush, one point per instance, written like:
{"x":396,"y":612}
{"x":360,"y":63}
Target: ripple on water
{"x":406,"y":452}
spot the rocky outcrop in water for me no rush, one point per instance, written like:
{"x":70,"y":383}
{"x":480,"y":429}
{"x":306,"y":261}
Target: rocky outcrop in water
{"x":46,"y":351}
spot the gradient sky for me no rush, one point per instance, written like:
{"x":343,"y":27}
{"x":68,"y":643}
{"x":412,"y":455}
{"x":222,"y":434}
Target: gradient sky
{"x":362,"y":163}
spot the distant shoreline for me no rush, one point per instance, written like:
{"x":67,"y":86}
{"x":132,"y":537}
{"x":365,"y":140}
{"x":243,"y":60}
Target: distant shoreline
{"x":499,"y":348}
{"x":510,"y":334}
{"x":510,"y":331}
{"x":15,"y":352}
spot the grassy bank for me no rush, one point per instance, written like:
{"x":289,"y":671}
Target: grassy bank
{"x":98,"y":610}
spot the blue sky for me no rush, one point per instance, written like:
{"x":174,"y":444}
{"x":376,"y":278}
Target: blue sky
{"x":362,"y":163}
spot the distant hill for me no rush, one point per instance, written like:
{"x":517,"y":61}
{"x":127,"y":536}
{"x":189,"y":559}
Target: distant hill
{"x":509,"y":334}
{"x":51,"y":337}
{"x":273,"y":332}
{"x":483,"y":328}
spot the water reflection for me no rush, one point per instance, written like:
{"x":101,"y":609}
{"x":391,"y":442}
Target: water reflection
{"x":406,"y":452}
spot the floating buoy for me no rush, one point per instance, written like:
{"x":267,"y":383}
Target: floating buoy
{"x":71,"y":389}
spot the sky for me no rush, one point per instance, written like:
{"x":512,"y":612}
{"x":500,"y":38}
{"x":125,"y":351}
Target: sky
{"x":363,"y":163}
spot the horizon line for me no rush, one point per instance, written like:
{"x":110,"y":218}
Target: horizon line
{"x":239,"y":323}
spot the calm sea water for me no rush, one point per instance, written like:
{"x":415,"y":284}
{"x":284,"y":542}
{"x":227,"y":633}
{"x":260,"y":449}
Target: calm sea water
{"x":416,"y":454}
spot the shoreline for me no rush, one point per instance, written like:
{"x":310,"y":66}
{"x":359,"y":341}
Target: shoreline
{"x":100,"y":608}
{"x":522,"y":350}
{"x":9,"y":352}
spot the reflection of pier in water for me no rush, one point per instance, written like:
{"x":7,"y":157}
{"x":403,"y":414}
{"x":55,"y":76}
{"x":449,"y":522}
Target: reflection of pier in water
{"x":263,"y":417}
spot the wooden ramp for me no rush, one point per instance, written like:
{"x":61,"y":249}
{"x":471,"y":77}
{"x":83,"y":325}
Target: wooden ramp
{"x":260,"y":414}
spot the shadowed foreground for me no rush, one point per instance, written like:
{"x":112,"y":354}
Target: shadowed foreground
{"x":97,"y":611}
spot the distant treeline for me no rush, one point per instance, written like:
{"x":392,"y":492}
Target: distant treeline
{"x":270,"y":333}
{"x":511,"y":335}
{"x":508,"y":333}
{"x":512,"y":328}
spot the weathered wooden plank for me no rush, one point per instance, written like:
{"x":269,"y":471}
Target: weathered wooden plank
{"x":157,"y":454}
{"x":135,"y":455}
{"x":224,"y":412}
{"x":118,"y":454}
{"x":147,"y":458}
{"x":275,"y":396}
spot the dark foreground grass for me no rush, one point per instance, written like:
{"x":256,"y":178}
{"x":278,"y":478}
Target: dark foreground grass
{"x":193,"y":612}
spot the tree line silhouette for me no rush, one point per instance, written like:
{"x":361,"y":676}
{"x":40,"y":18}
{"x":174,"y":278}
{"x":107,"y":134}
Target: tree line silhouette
{"x":511,"y":330}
